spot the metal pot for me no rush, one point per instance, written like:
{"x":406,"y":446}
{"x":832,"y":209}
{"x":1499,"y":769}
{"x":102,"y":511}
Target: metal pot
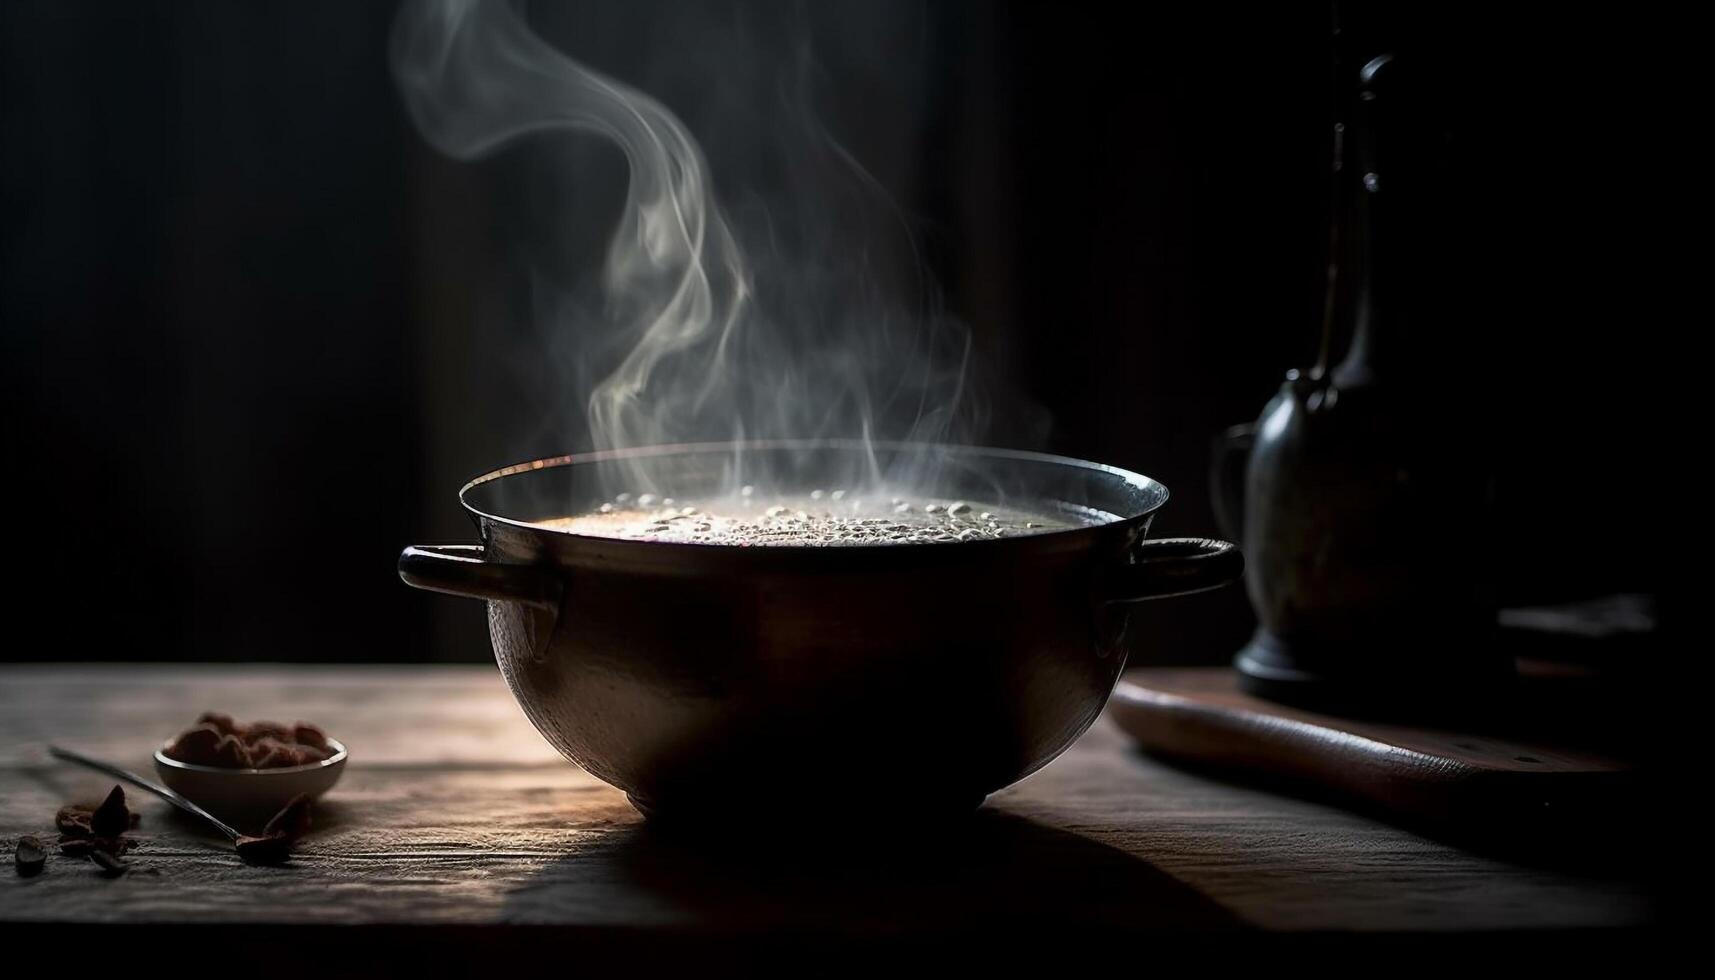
{"x":703,"y":678}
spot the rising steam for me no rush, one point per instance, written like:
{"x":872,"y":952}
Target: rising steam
{"x":812,"y":339}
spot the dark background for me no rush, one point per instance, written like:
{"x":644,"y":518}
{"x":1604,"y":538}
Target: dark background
{"x":250,"y":349}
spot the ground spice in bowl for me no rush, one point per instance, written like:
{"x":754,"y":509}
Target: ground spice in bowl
{"x":216,"y":740}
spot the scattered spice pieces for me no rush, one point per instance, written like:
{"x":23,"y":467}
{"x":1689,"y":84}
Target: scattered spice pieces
{"x":112,"y":817}
{"x":74,"y":820}
{"x":72,"y":846}
{"x":94,"y":832}
{"x":217,"y":740}
{"x":111,"y":865}
{"x":30,"y":857}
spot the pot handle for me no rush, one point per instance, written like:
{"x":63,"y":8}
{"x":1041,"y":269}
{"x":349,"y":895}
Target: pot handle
{"x":1176,"y":566}
{"x":461,"y":569}
{"x":1227,"y":478}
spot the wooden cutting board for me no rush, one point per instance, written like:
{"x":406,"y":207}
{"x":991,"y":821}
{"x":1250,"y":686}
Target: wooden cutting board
{"x":1471,"y":783}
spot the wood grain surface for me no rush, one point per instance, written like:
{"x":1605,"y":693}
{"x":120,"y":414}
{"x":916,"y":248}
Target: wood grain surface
{"x":453,"y":812}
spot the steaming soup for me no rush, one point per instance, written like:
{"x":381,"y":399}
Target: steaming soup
{"x":816,"y":519}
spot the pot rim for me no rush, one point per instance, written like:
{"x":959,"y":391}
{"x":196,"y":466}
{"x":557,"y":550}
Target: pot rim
{"x":1155,"y":488}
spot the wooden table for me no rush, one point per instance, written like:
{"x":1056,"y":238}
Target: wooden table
{"x":453,"y":813}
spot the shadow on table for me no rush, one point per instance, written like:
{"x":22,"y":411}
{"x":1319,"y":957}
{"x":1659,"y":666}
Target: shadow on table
{"x":325,"y":816}
{"x":992,"y":869}
{"x":1610,"y":844}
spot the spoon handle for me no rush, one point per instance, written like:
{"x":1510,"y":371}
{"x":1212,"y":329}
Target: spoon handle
{"x":144,"y":784}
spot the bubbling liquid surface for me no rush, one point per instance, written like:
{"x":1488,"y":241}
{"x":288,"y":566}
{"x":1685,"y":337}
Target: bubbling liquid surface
{"x":817,"y":519}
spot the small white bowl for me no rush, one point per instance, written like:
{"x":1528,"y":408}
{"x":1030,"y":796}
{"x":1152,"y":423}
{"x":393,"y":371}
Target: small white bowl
{"x":249,"y":790}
